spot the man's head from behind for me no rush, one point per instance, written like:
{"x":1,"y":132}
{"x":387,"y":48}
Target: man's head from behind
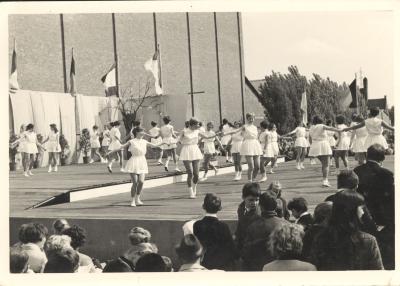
{"x":212,"y":204}
{"x":376,"y":153}
{"x":347,"y":179}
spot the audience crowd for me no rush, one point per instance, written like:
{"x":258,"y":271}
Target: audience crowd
{"x":352,"y":229}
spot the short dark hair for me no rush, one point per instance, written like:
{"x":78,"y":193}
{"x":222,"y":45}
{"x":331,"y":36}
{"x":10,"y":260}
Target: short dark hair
{"x":120,"y":264}
{"x":376,"y":152}
{"x":264,"y":124}
{"x":64,"y":261}
{"x":60,"y":224}
{"x":251,"y":189}
{"x":77,"y":234}
{"x":95,"y":127}
{"x":271,"y":126}
{"x":317,"y":120}
{"x":267,"y":202}
{"x":117,"y":123}
{"x":54,"y":127}
{"x":225,"y":121}
{"x":212,"y":204}
{"x":154,"y":124}
{"x":137,"y":130}
{"x":166,"y":119}
{"x":323,"y":212}
{"x":18,"y":260}
{"x":151,"y":262}
{"x":340,"y":119}
{"x":347,"y":179}
{"x":193,"y":122}
{"x":187,"y":124}
{"x":298,"y":204}
{"x":374,"y":111}
{"x":32,"y":232}
{"x":29,"y":126}
{"x":359,"y":118}
{"x":329,"y":122}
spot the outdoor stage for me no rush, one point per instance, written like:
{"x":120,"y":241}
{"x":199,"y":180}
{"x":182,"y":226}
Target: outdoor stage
{"x":108,"y":219}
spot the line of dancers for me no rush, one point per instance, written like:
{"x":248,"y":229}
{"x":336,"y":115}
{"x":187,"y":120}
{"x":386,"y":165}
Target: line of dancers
{"x":259,"y":148}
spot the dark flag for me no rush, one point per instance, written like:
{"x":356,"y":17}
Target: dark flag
{"x":72,"y":88}
{"x":13,"y":80}
{"x":109,"y":81}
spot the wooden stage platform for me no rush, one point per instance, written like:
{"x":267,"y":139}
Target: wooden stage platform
{"x":163,"y":202}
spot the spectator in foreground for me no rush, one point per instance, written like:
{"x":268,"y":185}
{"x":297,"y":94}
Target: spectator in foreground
{"x":33,"y":237}
{"x":322,"y":214}
{"x":138,"y":235}
{"x":253,"y":254}
{"x":151,"y":262}
{"x":377,"y":186}
{"x":215,"y":236}
{"x":19,"y":260}
{"x":120,"y":264}
{"x":168,"y":264}
{"x":281,"y":210}
{"x":60,"y":225}
{"x":299,"y":209}
{"x":56,"y":243}
{"x":136,"y":251}
{"x":190,"y":252}
{"x":247,"y":212}
{"x":63,"y":261}
{"x":78,"y":239}
{"x":342,"y":246}
{"x":285,"y":245}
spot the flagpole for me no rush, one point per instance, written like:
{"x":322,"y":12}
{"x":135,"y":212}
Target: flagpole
{"x":159,"y":66}
{"x":115,"y":53}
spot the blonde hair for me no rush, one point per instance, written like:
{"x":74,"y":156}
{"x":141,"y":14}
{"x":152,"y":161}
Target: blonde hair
{"x":286,"y":241}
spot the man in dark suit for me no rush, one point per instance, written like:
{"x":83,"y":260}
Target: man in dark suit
{"x":247,"y":212}
{"x":254,"y":252}
{"x":299,"y":209}
{"x":377,"y":187}
{"x":215,"y":237}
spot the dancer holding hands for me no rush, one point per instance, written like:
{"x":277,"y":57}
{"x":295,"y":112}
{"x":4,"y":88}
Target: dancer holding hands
{"x":300,"y":144}
{"x":53,"y":147}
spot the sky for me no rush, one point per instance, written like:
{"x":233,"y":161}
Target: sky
{"x":331,"y":44}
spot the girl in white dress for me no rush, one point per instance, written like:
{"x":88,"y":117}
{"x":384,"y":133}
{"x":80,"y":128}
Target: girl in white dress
{"x":331,"y":139}
{"x":357,"y":141}
{"x":209,"y":149}
{"x":320,"y":147}
{"x":300,"y":144}
{"x":265,"y":141}
{"x":167,"y":134}
{"x":273,"y":147}
{"x":236,"y":144}
{"x":156,"y":139}
{"x":343,"y":144}
{"x":225,"y":139}
{"x":374,"y":127}
{"x":20,"y":157}
{"x":136,"y":166}
{"x":31,"y":148}
{"x":53,"y":147}
{"x":251,"y":147}
{"x":106,"y":141}
{"x":191,"y":154}
{"x":115,"y":144}
{"x":95,"y":144}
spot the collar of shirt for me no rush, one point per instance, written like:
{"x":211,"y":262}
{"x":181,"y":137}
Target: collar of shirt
{"x":31,"y":246}
{"x":191,"y":266}
{"x":380,"y":164}
{"x":212,"y":215}
{"x":303,"y":214}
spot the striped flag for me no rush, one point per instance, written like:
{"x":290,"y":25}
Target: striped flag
{"x":303,"y":107}
{"x":109,"y":81}
{"x":13,"y":80}
{"x":153,"y":65}
{"x":72,"y":87}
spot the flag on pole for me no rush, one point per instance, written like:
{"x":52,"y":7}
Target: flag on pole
{"x":153,"y":65}
{"x":109,"y":81}
{"x":13,"y":80}
{"x":72,"y":87}
{"x":353,"y":91}
{"x":303,"y":107}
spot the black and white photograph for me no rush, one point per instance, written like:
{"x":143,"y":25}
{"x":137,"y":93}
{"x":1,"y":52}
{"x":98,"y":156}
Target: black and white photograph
{"x":234,"y":140}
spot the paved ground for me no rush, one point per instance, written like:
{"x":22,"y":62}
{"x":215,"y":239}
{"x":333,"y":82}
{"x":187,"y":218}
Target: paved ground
{"x":171,"y":202}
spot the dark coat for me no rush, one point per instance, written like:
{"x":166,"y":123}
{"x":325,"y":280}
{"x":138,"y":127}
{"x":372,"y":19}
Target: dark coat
{"x":216,"y":238}
{"x":254,"y":252}
{"x":377,"y":187}
{"x":308,"y":240}
{"x":306,"y":221}
{"x":244,"y":220}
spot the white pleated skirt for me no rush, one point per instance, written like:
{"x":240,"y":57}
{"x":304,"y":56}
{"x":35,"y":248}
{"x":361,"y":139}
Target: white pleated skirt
{"x":359,"y":145}
{"x":21,"y":146}
{"x":236,"y":146}
{"x":209,"y":148}
{"x":190,"y":153}
{"x":344,"y":144}
{"x":271,"y":150}
{"x":30,"y":148}
{"x":53,"y":146}
{"x":169,"y":143}
{"x":136,"y":165}
{"x":94,"y":143}
{"x":251,"y":147}
{"x":320,"y":148}
{"x":301,"y":142}
{"x":114,"y":145}
{"x":332,"y":141}
{"x":375,"y":139}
